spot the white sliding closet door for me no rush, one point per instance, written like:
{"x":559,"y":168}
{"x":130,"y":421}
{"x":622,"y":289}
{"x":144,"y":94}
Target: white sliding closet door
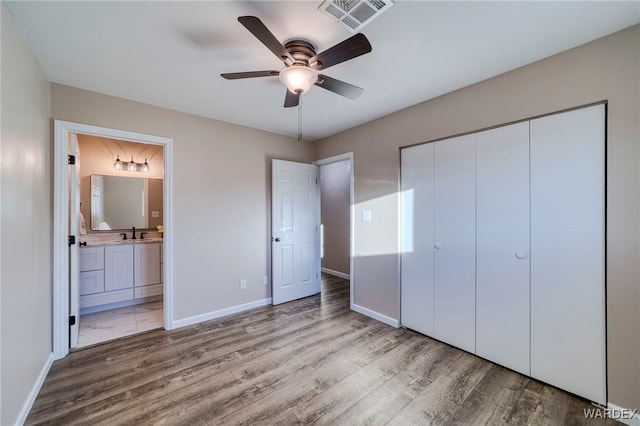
{"x":502,"y":246}
{"x":454,"y":260}
{"x":417,"y":238}
{"x":567,"y":251}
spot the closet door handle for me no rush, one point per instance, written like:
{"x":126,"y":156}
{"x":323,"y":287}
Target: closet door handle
{"x":520,"y":254}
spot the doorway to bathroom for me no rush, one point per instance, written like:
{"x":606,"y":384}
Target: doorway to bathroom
{"x":110,"y":287}
{"x":120,"y":224}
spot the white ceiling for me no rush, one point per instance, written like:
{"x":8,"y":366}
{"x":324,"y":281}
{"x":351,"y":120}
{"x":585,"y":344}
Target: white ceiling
{"x":171,"y":54}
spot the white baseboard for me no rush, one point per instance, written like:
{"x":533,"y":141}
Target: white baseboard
{"x":219,"y":313}
{"x":376,"y":315}
{"x":634,"y":421}
{"x":336,"y":273}
{"x":33,"y":394}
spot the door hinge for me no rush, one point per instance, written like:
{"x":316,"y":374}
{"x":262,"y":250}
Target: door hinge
{"x":72,"y":320}
{"x":72,"y":240}
{"x":71,"y":159}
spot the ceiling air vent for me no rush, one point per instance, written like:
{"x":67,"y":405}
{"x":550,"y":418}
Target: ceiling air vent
{"x":355,"y":14}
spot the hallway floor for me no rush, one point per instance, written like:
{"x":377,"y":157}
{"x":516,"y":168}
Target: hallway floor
{"x":120,"y":322}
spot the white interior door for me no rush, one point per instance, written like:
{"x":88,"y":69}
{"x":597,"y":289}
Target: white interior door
{"x":295,"y":230}
{"x":417,"y":302}
{"x":455,"y":239}
{"x":567,"y":251}
{"x":502,"y":246}
{"x":74,"y":249}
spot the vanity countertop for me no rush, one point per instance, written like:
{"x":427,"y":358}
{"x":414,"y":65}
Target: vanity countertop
{"x":93,"y":243}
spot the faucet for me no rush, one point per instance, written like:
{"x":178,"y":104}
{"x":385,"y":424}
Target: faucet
{"x":142,"y":235}
{"x":133,"y":232}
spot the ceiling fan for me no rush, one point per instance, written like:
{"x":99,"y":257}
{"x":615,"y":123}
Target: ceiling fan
{"x":303,"y":63}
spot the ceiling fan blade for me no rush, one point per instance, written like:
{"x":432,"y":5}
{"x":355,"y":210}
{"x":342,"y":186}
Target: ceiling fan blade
{"x":249,"y":74}
{"x":343,"y":51}
{"x":262,"y":33}
{"x":338,"y":86}
{"x":291,"y":99}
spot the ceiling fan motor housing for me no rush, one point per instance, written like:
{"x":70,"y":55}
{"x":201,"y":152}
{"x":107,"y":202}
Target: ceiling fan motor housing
{"x":301,"y":51}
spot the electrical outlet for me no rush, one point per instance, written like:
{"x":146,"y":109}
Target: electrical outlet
{"x":155,"y":214}
{"x":243,"y":284}
{"x":265,"y":279}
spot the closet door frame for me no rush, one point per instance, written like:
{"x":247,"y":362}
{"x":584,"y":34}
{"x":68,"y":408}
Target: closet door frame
{"x":597,"y":390}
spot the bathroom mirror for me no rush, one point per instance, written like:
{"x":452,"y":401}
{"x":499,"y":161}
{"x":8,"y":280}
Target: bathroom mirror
{"x":119,"y":202}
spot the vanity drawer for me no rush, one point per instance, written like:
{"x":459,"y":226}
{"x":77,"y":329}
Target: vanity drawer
{"x":91,"y":258}
{"x":91,"y":282}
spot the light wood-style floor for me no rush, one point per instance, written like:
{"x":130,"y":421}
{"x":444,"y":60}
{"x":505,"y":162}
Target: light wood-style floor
{"x":304,"y":362}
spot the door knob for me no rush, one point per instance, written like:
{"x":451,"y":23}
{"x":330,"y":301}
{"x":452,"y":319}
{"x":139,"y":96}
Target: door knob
{"x":520,"y":254}
{"x":438,"y":245}
{"x":277,"y":240}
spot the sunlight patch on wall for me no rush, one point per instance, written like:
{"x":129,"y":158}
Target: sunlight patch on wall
{"x":376,"y":227}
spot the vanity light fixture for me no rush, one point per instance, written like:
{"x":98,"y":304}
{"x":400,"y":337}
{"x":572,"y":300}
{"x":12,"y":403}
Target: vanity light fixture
{"x":117,"y":164}
{"x":130,"y":166}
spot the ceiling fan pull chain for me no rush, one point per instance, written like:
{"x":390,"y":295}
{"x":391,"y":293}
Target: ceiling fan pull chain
{"x":300,"y":122}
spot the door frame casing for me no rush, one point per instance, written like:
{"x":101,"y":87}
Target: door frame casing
{"x":347,"y":156}
{"x":60,"y":296}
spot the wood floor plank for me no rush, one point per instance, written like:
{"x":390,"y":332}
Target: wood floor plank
{"x":311,"y":361}
{"x":435,"y":404}
{"x":492,"y":400}
{"x":342,"y":395}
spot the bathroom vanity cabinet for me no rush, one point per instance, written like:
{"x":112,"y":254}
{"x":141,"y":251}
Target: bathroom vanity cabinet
{"x":147,"y":267}
{"x":119,"y":273}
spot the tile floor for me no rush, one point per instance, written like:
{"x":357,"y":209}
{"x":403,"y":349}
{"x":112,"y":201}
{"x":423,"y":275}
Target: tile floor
{"x":120,"y":322}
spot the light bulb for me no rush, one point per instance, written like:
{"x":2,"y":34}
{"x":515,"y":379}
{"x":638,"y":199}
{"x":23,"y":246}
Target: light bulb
{"x":117,"y":164}
{"x":145,"y":166}
{"x":132,"y":166}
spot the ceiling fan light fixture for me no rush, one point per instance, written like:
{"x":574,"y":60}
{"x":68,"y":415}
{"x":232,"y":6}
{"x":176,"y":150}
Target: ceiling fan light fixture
{"x":298,"y":78}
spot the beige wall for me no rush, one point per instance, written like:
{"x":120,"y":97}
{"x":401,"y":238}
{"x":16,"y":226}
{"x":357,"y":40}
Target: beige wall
{"x":334,"y":200}
{"x":220,"y":195}
{"x":26,"y":222}
{"x":156,"y":202}
{"x":96,"y":156}
{"x":606,"y":69}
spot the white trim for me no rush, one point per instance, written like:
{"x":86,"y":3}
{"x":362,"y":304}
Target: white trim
{"x":634,"y":421}
{"x":60,"y":253}
{"x":33,"y":394}
{"x":221,"y":313}
{"x":347,"y":156}
{"x":376,"y":315}
{"x":62,"y":130}
{"x":336,"y":273}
